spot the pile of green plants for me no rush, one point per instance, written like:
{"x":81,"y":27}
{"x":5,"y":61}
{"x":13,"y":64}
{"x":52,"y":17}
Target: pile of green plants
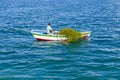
{"x":72,"y":35}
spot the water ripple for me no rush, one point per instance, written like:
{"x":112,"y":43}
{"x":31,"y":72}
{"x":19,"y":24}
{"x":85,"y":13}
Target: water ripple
{"x":22,"y":57}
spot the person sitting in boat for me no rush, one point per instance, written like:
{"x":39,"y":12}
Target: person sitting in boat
{"x":49,"y":29}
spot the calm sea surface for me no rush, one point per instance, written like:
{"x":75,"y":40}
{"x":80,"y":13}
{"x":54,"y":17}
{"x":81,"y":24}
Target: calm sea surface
{"x":24,"y":58}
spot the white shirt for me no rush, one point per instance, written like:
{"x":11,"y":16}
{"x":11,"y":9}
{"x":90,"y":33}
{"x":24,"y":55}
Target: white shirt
{"x":49,"y":29}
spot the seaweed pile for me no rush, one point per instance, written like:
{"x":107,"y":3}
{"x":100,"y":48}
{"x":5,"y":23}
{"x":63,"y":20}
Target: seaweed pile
{"x":72,"y":35}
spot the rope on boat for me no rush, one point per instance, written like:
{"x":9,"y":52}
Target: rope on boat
{"x":25,"y":30}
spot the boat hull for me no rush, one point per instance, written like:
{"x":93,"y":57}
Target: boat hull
{"x":42,"y":36}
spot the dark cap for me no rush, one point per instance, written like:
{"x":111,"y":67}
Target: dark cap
{"x":49,"y":24}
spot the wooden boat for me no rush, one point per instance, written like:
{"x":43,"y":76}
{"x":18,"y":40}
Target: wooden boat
{"x":43,"y":36}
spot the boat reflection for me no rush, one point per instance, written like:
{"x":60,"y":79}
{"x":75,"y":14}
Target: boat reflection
{"x":47,"y":43}
{"x":58,"y":43}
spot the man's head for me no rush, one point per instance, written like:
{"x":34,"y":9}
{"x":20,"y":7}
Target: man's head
{"x":49,"y":24}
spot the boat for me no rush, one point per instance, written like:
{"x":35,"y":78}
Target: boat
{"x":42,"y":35}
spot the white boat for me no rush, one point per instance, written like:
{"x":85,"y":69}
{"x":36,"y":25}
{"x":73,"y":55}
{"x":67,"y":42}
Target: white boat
{"x":43,"y":36}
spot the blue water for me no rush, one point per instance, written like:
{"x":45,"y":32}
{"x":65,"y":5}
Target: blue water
{"x":24,"y":58}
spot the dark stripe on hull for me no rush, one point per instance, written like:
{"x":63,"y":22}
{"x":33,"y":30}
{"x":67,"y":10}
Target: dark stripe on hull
{"x":39,"y":39}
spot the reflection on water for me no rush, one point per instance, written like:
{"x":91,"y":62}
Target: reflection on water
{"x":77,"y":44}
{"x":46,"y":43}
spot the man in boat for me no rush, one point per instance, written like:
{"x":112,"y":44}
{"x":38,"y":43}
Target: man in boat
{"x":49,"y":29}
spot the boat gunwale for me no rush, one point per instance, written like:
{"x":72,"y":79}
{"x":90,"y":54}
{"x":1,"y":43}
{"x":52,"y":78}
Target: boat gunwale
{"x":47,"y":35}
